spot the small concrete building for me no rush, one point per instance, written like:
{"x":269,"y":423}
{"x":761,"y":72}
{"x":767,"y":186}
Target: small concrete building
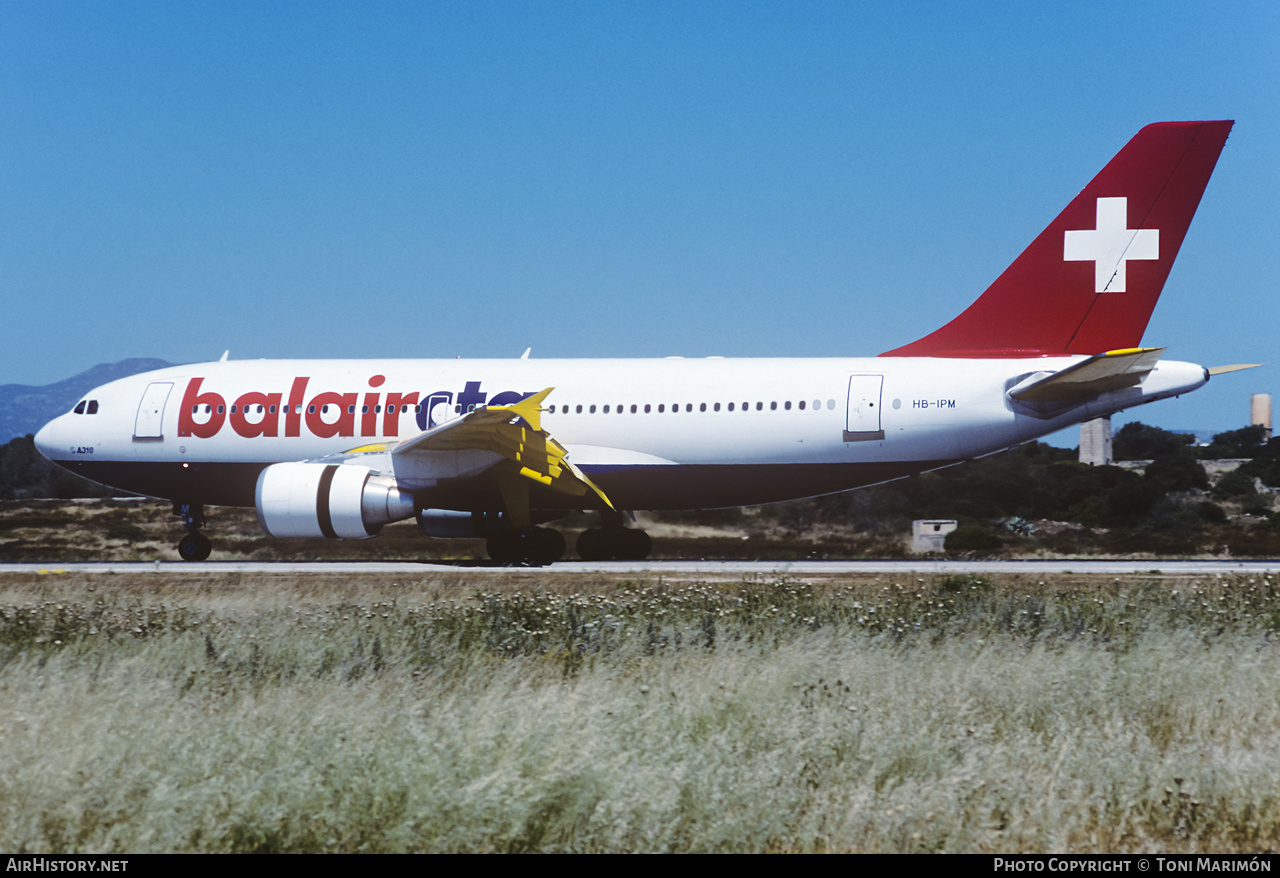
{"x":930,"y":535}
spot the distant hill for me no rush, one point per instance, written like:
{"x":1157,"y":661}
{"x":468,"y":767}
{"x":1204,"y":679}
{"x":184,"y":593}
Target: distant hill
{"x":25,"y":409}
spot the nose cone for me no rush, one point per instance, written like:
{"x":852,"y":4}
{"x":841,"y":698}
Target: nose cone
{"x":50,"y":440}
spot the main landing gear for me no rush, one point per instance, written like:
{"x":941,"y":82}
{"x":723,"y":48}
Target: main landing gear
{"x":542,"y":545}
{"x":535,"y":545}
{"x":195,"y":546}
{"x":616,"y":543}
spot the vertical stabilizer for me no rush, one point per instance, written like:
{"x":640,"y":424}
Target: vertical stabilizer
{"x":1090,"y":281}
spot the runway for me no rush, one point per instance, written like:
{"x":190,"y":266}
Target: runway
{"x":681,"y":569}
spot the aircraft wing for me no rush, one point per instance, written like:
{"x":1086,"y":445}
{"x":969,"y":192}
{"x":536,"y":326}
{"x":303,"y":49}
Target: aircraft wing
{"x":514,"y":432}
{"x":1100,"y":373}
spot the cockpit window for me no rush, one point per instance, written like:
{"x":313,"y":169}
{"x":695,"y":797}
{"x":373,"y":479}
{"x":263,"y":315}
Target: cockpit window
{"x":79,"y":409}
{"x":93,"y":407}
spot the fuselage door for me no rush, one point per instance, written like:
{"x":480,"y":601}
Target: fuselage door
{"x":151,"y":411}
{"x":862,"y":423}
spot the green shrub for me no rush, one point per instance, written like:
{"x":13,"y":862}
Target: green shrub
{"x":1211,"y":512}
{"x":972,"y":538}
{"x":1234,"y":484}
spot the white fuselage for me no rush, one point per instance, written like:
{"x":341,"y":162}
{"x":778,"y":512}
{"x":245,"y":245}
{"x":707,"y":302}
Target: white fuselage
{"x":669,"y":433}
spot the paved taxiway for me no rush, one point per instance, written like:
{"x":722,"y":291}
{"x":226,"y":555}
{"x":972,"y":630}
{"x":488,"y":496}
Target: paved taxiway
{"x":680,"y":568}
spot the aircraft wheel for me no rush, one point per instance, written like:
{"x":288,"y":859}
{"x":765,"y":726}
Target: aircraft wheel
{"x":506,"y":547}
{"x":546,"y":546}
{"x":194,"y":547}
{"x":594,"y":545}
{"x":632,"y":545}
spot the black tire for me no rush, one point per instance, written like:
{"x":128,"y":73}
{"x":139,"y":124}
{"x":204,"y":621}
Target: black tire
{"x":594,"y":545}
{"x":632,"y":545}
{"x":194,"y":547}
{"x":506,"y":547}
{"x":546,"y":546}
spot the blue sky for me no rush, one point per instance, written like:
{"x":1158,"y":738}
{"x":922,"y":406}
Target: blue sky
{"x":602,"y":179}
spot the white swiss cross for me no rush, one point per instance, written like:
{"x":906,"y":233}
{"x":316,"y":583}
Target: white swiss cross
{"x":1111,"y":245}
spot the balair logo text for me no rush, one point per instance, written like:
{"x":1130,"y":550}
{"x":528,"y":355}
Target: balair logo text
{"x":328,"y":413}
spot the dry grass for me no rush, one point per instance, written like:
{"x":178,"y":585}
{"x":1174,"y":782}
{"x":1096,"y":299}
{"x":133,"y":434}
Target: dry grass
{"x":515,"y":711}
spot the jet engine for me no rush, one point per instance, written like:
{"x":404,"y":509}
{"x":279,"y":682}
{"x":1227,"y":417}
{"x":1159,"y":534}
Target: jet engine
{"x":345,"y":501}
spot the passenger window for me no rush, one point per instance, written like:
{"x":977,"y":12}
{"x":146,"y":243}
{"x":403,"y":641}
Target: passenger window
{"x":759,"y":406}
{"x":661,"y":407}
{"x":579,"y":410}
{"x":787,"y":405}
{"x":606,"y":410}
{"x":730,"y":406}
{"x":93,"y":408}
{"x":702,"y":407}
{"x":801,"y":404}
{"x":592,"y":410}
{"x":311,"y":409}
{"x":633,"y":409}
{"x":773,"y":406}
{"x":273,"y":410}
{"x":831,"y":403}
{"x":646,"y":408}
{"x":688,"y":406}
{"x":717,"y":406}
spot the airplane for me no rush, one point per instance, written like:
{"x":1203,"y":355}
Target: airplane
{"x":496,"y":449}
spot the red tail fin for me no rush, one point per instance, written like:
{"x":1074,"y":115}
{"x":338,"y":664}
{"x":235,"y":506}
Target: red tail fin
{"x":1089,"y":282}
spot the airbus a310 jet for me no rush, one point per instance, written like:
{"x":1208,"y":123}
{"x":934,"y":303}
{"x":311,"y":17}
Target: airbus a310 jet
{"x":497,"y":448}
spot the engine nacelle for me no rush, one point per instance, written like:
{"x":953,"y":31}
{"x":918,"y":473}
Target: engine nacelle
{"x":344,"y":501}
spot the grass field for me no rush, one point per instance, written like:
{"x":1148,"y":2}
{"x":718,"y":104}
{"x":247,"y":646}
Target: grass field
{"x":533,"y":711}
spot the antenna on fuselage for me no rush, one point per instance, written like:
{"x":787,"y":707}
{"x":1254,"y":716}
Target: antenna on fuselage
{"x":224,"y":356}
{"x":526,"y":353}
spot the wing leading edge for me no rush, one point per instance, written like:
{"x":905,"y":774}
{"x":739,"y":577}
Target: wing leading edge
{"x":515,"y":433}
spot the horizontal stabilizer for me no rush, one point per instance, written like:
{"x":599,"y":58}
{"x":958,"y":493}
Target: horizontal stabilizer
{"x":1101,"y":373}
{"x":1238,"y":367}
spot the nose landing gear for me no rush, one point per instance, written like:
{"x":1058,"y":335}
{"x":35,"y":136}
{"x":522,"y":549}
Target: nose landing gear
{"x":195,"y":546}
